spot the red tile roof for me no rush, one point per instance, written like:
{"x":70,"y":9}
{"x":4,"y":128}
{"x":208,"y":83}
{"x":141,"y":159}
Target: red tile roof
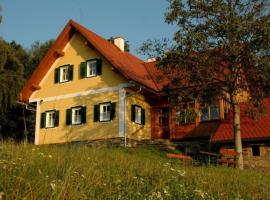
{"x":125,"y":63}
{"x":250,"y":129}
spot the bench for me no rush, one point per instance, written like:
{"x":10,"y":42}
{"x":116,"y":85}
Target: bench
{"x":228,"y":157}
{"x":178,"y":156}
{"x":224,"y":157}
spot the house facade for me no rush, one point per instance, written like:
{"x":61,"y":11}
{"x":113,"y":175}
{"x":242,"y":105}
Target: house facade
{"x":87,"y":88}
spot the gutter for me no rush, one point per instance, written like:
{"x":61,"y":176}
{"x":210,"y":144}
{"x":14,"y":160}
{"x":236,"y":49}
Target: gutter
{"x":27,"y":106}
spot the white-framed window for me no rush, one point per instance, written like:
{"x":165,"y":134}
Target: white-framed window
{"x":209,"y":112}
{"x":64,"y":76}
{"x":185,"y":113}
{"x":50,"y":119}
{"x":105,"y":112}
{"x":77,"y":115}
{"x":138,"y":114}
{"x":91,"y":68}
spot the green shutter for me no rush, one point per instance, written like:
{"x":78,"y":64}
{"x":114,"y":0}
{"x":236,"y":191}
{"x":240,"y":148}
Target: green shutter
{"x":143,"y":117}
{"x":83,"y":66}
{"x":68,"y":116}
{"x":112,"y":114}
{"x":56,"y":119}
{"x":96,"y":113}
{"x":99,"y":66}
{"x":83,"y":114}
{"x":43,"y":120}
{"x":56,"y":75}
{"x":70,"y":72}
{"x":133,"y":113}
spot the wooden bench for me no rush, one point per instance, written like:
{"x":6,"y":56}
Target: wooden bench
{"x":224,"y":157}
{"x":228,"y":157}
{"x":179,"y":156}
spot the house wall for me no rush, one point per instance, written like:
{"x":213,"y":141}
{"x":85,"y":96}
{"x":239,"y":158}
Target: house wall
{"x":262,"y":161}
{"x":137,"y":131}
{"x":89,"y":131}
{"x":76,"y":51}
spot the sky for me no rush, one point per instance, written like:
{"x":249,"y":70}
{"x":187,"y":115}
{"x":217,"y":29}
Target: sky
{"x":26,"y":21}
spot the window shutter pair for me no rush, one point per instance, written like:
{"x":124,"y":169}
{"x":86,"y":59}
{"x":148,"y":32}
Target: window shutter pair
{"x":133,"y":114}
{"x":57,"y":74}
{"x":97,"y":111}
{"x":43,"y":119}
{"x":69,"y":115}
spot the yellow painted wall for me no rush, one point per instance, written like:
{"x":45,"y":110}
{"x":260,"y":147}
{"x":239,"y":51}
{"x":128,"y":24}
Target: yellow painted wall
{"x":75,"y":53}
{"x":90,"y":130}
{"x":137,"y":131}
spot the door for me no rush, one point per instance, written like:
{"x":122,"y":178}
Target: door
{"x":160,"y":123}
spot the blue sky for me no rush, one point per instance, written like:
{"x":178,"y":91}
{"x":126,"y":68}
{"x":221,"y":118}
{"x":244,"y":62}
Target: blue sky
{"x":26,"y":21}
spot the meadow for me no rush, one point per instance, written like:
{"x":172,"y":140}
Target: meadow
{"x":81,"y":172}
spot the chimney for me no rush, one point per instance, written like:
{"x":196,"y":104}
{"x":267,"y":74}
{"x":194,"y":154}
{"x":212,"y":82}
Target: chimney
{"x":151,"y":59}
{"x":119,"y":42}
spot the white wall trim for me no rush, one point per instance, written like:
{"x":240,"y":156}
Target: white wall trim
{"x":37,"y":123}
{"x":51,"y":69}
{"x":84,"y":93}
{"x":122,"y":112}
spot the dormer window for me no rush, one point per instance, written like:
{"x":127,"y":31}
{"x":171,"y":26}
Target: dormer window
{"x":63,"y":74}
{"x":90,"y":68}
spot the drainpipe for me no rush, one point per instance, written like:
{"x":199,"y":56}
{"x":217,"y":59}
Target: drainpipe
{"x":125,"y":126}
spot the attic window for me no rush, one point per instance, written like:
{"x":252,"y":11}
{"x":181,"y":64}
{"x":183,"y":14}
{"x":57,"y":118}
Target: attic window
{"x":63,"y":74}
{"x":91,"y":68}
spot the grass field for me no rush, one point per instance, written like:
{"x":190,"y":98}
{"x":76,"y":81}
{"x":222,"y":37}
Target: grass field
{"x":79,"y":172}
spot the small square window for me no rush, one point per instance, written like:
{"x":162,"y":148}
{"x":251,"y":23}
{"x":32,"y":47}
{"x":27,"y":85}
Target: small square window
{"x":91,"y":68}
{"x":50,"y":119}
{"x":64,"y":74}
{"x":76,"y":115}
{"x":105,"y":112}
{"x":256,"y":150}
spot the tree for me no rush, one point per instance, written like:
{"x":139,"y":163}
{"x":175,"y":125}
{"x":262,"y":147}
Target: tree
{"x":220,"y":49}
{"x":37,"y":51}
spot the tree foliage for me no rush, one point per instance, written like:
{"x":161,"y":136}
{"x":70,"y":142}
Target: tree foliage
{"x":220,"y":49}
{"x":16,"y":65}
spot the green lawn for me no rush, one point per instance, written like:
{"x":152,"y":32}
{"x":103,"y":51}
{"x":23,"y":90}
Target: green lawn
{"x":80,"y":172}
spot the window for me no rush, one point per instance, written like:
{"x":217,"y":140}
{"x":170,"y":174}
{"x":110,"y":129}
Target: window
{"x":209,"y":112}
{"x":185,"y":113}
{"x":104,"y":112}
{"x":76,"y":115}
{"x":49,"y":119}
{"x":137,"y":114}
{"x":63,"y":74}
{"x":91,"y":68}
{"x":256,"y":150}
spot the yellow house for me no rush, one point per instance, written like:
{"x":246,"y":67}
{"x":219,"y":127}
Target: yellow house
{"x":84,"y":89}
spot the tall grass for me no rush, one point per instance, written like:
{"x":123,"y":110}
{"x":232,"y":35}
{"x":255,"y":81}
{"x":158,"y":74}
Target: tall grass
{"x":80,"y":172}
